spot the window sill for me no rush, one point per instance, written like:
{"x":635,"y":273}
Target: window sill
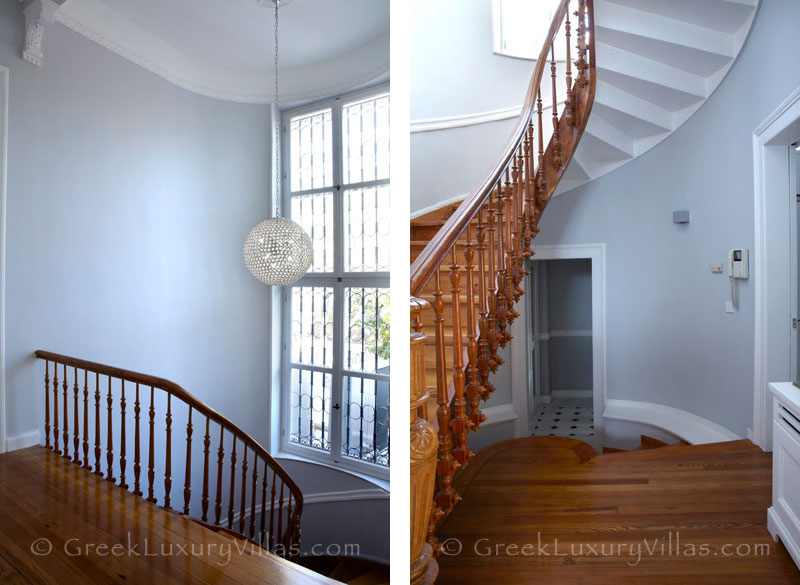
{"x":376,"y":481}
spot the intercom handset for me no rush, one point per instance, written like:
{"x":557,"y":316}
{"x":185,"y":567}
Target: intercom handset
{"x":739,"y":263}
{"x":738,"y":269}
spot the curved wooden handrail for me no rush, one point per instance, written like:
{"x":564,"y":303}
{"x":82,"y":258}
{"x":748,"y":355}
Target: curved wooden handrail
{"x":435,"y":253}
{"x":184,"y":396}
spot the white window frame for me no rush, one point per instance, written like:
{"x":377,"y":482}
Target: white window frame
{"x":337,"y":279}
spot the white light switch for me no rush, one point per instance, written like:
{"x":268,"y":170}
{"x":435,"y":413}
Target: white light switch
{"x":729,"y":307}
{"x":716,"y":268}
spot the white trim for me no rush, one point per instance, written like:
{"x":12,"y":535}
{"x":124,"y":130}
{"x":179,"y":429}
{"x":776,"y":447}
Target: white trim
{"x":681,"y":423}
{"x":596,"y":253}
{"x":4,"y":80}
{"x":438,"y":205}
{"x":502,"y":413}
{"x":572,"y":394}
{"x":780,"y":129}
{"x":22,"y":441}
{"x":463,"y":120}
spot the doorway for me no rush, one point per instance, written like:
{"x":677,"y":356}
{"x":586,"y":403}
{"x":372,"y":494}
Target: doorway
{"x":561,"y":348}
{"x":566,"y":342}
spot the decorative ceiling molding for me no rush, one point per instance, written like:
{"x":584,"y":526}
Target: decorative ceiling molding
{"x":105,"y":26}
{"x":38,"y":14}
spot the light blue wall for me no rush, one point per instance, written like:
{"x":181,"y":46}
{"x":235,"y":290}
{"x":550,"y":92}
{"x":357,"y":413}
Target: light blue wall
{"x":668,"y":338}
{"x":128,"y":202}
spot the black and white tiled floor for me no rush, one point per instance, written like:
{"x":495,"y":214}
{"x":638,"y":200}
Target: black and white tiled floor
{"x":565,"y":417}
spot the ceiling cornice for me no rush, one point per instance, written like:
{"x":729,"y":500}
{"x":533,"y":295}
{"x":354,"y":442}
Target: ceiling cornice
{"x":106,"y":27}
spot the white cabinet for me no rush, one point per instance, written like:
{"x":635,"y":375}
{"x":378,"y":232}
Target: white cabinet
{"x":783,"y":518}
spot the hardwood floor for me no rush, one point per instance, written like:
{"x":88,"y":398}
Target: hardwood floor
{"x":676,"y":515}
{"x":96,"y":532}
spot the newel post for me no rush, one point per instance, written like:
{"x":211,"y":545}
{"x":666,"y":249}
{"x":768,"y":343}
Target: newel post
{"x":424,"y":443}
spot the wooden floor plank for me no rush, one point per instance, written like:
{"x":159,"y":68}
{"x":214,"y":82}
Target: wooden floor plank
{"x":44,"y":496}
{"x":675,"y":515}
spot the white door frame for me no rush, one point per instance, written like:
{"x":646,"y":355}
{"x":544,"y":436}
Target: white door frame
{"x":4,"y":74}
{"x":774,"y":204}
{"x":596,"y":253}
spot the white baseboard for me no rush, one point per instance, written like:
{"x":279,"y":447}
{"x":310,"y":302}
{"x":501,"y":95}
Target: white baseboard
{"x":495,"y":415}
{"x":691,"y":428}
{"x":346,"y":496}
{"x":22,"y":441}
{"x":572,"y":394}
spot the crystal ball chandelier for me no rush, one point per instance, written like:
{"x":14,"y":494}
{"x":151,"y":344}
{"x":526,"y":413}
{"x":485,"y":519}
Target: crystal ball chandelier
{"x":277,"y":251}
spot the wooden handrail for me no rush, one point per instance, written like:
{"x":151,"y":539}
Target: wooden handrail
{"x":482,"y":250}
{"x":435,"y":253}
{"x":287,"y":543}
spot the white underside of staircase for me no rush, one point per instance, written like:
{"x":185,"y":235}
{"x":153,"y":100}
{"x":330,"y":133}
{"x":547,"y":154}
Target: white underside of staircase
{"x":657,"y":62}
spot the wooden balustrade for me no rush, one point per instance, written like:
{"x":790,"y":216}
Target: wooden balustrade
{"x":492,"y":231}
{"x":281,"y":534}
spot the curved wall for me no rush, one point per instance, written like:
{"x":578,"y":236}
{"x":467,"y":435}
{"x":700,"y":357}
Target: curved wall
{"x":669,"y":340}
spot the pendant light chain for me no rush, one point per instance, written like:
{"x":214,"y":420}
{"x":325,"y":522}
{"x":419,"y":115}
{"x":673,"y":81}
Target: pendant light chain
{"x":277,"y":123}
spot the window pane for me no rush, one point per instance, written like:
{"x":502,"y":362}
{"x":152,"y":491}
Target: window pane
{"x":311,"y":150}
{"x":365,"y":433}
{"x":310,"y":414}
{"x":365,"y":136}
{"x":524,"y":26}
{"x":366,"y":229}
{"x":366,"y":330}
{"x":312,"y":326}
{"x":315,"y":214}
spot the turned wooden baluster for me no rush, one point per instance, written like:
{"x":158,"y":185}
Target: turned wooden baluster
{"x":581,"y":64}
{"x":271,"y":533}
{"x":97,"y":450}
{"x":460,"y":424}
{"x":86,"y":420}
{"x":569,"y":107}
{"x":264,"y":481}
{"x":516,"y":249}
{"x":473,"y":390}
{"x":508,"y":256}
{"x":187,"y":482}
{"x":206,"y":451}
{"x":76,"y":440}
{"x":47,"y":404}
{"x":65,"y":430}
{"x":56,"y":448}
{"x":243,"y":500}
{"x":557,"y":159}
{"x":110,"y":436}
{"x":499,"y":277}
{"x":529,"y":200}
{"x":446,"y":465}
{"x":253,"y":491}
{"x":484,"y":352}
{"x":289,"y":525}
{"x":220,"y":461}
{"x":123,"y":462}
{"x":151,"y":473}
{"x":233,"y":484}
{"x":168,"y":462}
{"x":541,"y":181}
{"x":137,"y":459}
{"x":493,"y":304}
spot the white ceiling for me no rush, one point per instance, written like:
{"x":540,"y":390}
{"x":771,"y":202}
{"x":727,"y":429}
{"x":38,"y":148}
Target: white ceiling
{"x":225,"y":48}
{"x":238,"y":34}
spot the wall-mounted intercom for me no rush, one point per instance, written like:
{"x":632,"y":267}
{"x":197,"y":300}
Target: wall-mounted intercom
{"x":738,"y":269}
{"x":739,"y":263}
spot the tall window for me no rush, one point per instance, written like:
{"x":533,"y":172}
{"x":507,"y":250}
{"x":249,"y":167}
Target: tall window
{"x":336,"y":324}
{"x":519,"y":28}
